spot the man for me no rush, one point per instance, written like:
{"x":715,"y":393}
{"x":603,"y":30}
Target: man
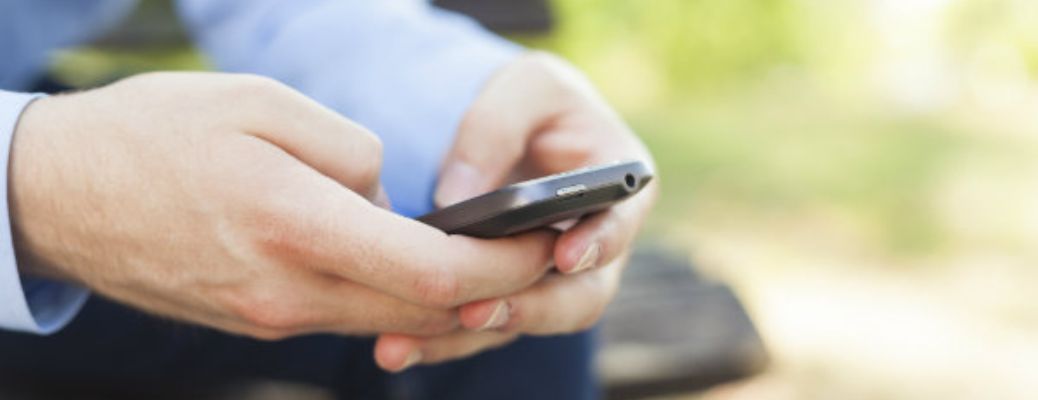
{"x":248,"y":204}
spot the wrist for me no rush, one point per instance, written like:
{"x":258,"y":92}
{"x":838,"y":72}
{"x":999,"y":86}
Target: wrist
{"x":24,"y":182}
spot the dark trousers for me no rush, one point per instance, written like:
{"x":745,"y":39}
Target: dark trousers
{"x":111,"y":351}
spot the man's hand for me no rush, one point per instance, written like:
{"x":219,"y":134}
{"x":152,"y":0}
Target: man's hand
{"x":537,"y":116}
{"x":235,"y":202}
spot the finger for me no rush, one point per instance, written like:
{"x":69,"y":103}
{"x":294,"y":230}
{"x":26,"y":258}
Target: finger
{"x":421,"y":264}
{"x":319,"y":137}
{"x":597,"y":239}
{"x":396,"y":353}
{"x":292,"y":302}
{"x":332,"y":230}
{"x":327,"y":304}
{"x":559,"y":304}
{"x":600,"y":238}
{"x":493,"y":135}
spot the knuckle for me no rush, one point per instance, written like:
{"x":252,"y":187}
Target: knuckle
{"x":270,"y":319}
{"x":254,"y":88}
{"x":265,"y":313}
{"x":280,"y":231}
{"x":373,"y":144}
{"x":438,"y":288}
{"x":257,"y":83}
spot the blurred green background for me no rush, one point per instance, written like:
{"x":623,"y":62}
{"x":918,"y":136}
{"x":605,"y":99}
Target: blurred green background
{"x":864,"y":173}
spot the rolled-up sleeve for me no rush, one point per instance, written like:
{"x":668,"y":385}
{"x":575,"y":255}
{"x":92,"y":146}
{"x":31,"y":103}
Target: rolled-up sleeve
{"x":27,"y":304}
{"x":403,"y":68}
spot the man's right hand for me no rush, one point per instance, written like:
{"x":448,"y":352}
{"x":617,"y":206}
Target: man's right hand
{"x":235,"y":202}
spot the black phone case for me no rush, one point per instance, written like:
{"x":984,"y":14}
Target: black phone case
{"x":543,"y":201}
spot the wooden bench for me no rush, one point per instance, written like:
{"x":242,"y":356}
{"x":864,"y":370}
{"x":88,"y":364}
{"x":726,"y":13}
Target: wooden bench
{"x":671,"y":331}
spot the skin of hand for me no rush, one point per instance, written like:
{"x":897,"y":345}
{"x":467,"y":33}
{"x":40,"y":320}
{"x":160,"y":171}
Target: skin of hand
{"x":234,"y":202}
{"x":537,"y":116}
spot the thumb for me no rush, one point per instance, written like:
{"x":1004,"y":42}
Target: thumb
{"x":493,"y":135}
{"x":481,"y":160}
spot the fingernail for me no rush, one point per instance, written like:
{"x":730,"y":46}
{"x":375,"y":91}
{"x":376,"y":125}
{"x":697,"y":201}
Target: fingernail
{"x":411,"y":360}
{"x":587,"y":260}
{"x":498,"y":318}
{"x":459,"y":181}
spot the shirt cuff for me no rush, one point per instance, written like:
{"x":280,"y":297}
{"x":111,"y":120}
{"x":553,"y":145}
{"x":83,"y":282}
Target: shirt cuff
{"x":32,"y":305}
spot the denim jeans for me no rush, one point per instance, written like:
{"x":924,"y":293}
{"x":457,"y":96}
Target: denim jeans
{"x":111,"y":351}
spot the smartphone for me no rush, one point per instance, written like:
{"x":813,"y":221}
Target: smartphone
{"x":543,"y":201}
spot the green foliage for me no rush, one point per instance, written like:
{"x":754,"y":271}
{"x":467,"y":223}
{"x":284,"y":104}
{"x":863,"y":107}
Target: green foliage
{"x":766,"y":106}
{"x":687,"y":45}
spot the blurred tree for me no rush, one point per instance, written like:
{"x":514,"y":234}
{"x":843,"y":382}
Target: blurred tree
{"x":695,"y":45}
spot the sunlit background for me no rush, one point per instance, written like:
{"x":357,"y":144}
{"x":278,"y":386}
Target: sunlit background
{"x":863,"y":173}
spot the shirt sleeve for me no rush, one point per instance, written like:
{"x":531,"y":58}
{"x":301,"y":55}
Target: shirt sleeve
{"x":402,"y":68}
{"x":27,"y":304}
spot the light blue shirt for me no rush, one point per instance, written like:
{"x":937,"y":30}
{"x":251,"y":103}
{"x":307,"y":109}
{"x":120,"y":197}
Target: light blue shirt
{"x":404,"y":69}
